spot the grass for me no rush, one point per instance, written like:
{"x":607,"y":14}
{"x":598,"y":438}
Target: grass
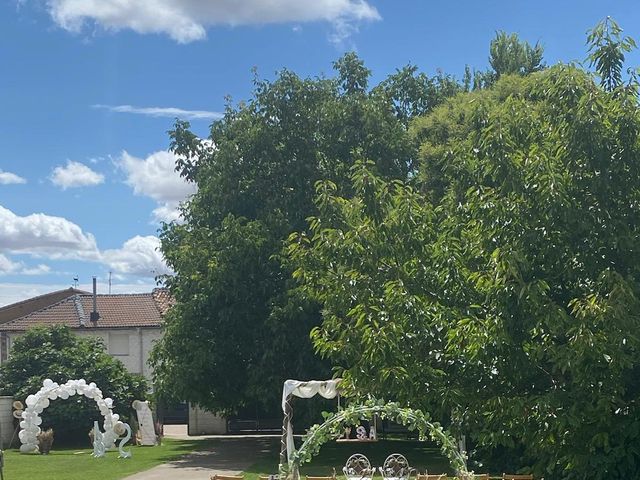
{"x":78,"y":464}
{"x":421,"y":456}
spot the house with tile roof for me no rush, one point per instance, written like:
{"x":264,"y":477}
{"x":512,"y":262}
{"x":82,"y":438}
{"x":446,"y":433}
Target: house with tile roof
{"x":25,"y":307}
{"x":129,"y":324}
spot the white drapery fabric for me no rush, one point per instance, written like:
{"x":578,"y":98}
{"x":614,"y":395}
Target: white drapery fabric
{"x":326,"y":388}
{"x":145,"y":422}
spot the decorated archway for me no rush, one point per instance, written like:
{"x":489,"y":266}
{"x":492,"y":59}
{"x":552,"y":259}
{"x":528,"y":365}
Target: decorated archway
{"x":334,"y":425}
{"x":38,"y":402}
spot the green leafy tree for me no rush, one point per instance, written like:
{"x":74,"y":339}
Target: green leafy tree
{"x":413,"y":93}
{"x":607,"y":52}
{"x":240,"y":326}
{"x":499,"y":288}
{"x":57,"y":353}
{"x":508,"y":55}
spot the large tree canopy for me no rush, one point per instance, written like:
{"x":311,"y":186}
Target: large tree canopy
{"x":501,"y":283}
{"x":239,"y":327}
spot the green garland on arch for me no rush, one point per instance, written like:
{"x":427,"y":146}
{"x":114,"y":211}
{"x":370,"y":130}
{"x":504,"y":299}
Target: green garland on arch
{"x":333,"y":428}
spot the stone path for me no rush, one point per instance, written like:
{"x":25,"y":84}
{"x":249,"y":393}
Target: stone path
{"x":227,"y":456}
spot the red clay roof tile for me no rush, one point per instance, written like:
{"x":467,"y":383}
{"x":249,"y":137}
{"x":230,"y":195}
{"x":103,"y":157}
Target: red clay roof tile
{"x":116,"y":311}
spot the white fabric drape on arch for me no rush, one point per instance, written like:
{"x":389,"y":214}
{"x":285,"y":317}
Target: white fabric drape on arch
{"x":326,"y":388}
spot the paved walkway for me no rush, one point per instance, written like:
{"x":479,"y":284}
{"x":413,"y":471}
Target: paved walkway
{"x":227,"y":456}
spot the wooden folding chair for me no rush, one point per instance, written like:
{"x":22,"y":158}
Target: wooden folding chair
{"x":510,"y":476}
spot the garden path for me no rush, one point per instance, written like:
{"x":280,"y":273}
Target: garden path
{"x":225,"y":456}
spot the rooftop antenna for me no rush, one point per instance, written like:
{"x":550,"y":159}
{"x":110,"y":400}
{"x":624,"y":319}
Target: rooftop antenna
{"x":109,"y":282}
{"x":75,"y":282}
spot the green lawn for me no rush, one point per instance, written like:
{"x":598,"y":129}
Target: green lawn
{"x":77,"y":464}
{"x":421,"y":455}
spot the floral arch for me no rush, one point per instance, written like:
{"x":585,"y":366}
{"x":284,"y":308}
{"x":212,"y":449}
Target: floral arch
{"x":333,"y":428}
{"x":38,"y":402}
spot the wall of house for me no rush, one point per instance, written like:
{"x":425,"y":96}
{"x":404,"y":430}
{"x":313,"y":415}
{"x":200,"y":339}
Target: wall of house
{"x":202,"y":422}
{"x":138,"y":343}
{"x":131,"y":346}
{"x":6,"y":421}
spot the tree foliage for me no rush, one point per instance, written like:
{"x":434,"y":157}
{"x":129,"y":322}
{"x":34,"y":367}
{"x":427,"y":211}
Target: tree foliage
{"x":240,"y":326}
{"x":607,"y":52}
{"x":499,"y":285}
{"x":57,"y":353}
{"x":508,"y":55}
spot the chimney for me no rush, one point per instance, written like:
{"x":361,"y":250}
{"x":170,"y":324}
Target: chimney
{"x":94,"y":314}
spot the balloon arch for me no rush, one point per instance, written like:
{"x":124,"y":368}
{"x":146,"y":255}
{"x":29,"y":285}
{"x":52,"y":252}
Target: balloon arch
{"x":334,"y":425}
{"x":38,"y":402}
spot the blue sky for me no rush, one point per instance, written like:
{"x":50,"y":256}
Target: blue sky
{"x":89,"y":88}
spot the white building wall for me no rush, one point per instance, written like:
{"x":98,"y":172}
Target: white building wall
{"x":202,"y":422}
{"x":6,"y":421}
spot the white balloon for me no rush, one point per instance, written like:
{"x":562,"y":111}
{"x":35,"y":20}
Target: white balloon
{"x":50,"y":391}
{"x":119,"y":429}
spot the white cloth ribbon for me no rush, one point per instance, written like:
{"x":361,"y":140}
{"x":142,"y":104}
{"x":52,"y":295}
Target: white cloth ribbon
{"x":325,"y":388}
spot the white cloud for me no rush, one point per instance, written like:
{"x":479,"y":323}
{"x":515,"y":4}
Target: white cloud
{"x":40,"y":235}
{"x":7,"y":178}
{"x":155,"y":177}
{"x":171,"y":112}
{"x":186,"y":20}
{"x":342,"y":33}
{"x":167,"y":212}
{"x":75,"y":174}
{"x":8,"y":266}
{"x":138,"y":256}
{"x":39,"y":269}
{"x":44,"y":235}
